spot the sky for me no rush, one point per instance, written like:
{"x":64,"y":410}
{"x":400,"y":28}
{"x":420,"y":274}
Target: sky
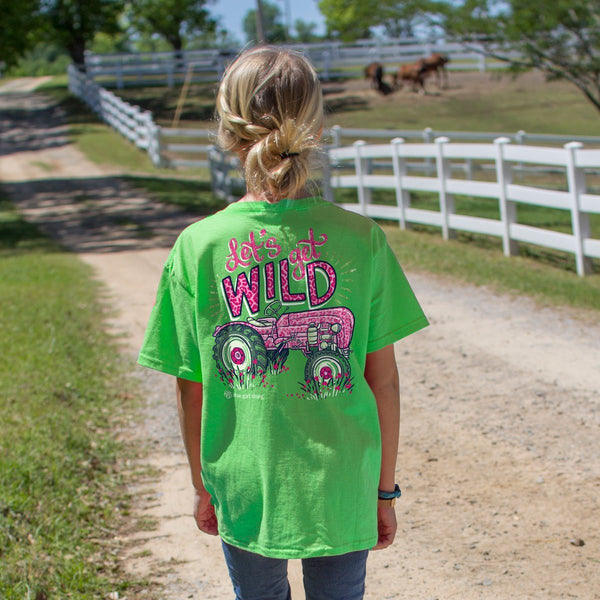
{"x":232,"y":13}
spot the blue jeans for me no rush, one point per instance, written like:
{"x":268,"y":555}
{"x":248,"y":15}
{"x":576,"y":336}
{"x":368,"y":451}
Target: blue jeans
{"x":257,"y":577}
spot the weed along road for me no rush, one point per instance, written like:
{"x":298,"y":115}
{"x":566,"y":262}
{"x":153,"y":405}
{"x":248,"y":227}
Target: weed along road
{"x":500,"y":439}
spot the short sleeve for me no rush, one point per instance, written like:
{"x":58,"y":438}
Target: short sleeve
{"x":395,"y":311}
{"x":171,"y":344}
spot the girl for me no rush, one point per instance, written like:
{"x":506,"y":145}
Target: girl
{"x":278,"y":316}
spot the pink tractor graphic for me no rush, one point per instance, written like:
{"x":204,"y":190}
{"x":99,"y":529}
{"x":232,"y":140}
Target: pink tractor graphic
{"x":256,"y":345}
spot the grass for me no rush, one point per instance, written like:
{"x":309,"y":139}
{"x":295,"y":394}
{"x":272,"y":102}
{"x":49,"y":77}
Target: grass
{"x":534,"y":273}
{"x":100,"y":143}
{"x":190,"y":194}
{"x":63,"y":391}
{"x":475,"y":102}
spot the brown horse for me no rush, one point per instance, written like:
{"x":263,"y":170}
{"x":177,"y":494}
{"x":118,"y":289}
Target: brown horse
{"x":414,"y":73}
{"x":436,"y":63}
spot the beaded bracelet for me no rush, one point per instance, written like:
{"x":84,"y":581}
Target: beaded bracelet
{"x":389,"y":495}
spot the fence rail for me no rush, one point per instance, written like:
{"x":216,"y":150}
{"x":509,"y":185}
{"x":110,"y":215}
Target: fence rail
{"x":134,"y":123}
{"x":572,"y":159}
{"x":193,"y":152}
{"x":332,"y":60}
{"x":175,"y":152}
{"x":341,"y":135}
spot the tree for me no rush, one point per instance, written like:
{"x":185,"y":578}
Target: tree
{"x":305,"y":32}
{"x":274,"y":29}
{"x":560,"y":38}
{"x":18,"y":25}
{"x":175,"y":20}
{"x":350,"y":20}
{"x":73,"y":24}
{"x":353,"y":19}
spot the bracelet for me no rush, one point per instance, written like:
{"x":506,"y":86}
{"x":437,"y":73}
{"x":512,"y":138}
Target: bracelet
{"x":390,"y":495}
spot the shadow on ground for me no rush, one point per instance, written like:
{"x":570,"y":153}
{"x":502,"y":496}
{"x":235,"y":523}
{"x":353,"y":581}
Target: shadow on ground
{"x":21,"y":117}
{"x":99,"y":214}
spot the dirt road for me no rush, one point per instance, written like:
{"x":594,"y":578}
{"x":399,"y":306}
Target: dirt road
{"x":500,"y":449}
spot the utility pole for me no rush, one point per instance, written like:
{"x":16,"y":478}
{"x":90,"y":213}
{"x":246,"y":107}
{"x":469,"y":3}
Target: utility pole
{"x":288,"y":20}
{"x":260,"y":29}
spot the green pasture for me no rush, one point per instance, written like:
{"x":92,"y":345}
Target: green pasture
{"x":64,"y":392}
{"x":490,"y":101}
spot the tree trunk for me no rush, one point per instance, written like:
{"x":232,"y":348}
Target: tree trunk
{"x":77,"y":52}
{"x":260,"y":29}
{"x":177,"y":44}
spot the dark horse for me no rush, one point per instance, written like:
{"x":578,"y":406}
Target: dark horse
{"x":374,"y":72}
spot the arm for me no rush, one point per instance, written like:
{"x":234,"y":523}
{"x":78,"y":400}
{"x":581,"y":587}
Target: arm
{"x":189,"y":407}
{"x":381,"y":374}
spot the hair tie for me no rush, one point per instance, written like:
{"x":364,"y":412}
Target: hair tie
{"x":288,"y":154}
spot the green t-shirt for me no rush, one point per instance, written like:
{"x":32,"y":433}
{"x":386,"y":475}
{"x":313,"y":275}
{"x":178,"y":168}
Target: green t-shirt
{"x":273,"y":307}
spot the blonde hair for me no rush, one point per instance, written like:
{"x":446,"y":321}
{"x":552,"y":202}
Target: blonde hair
{"x":270,"y":110}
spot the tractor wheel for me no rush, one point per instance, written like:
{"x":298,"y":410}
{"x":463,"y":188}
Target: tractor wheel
{"x":240,"y":348}
{"x":326,"y":365}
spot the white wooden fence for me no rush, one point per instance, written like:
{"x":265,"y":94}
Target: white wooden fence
{"x":572,"y":159}
{"x":156,"y":68}
{"x":331,"y":59}
{"x":189,"y":147}
{"x":185,"y":148}
{"x":225,"y":179}
{"x":136,"y":124}
{"x":341,"y":136}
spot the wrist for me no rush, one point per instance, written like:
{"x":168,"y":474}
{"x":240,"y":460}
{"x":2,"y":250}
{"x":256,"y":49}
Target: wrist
{"x":388,"y":497}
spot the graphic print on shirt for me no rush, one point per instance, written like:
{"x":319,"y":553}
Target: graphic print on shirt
{"x":249,"y":352}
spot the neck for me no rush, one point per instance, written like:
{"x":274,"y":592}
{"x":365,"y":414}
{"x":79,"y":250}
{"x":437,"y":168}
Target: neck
{"x":249,"y":197}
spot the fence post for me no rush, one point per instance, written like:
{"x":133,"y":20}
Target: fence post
{"x":220,"y":67}
{"x":361,"y":167}
{"x":428,"y":139}
{"x":482,"y":62}
{"x":579,"y":220}
{"x":521,"y":138}
{"x":508,"y":209}
{"x":326,"y":65}
{"x":469,"y":168}
{"x":71,"y":80}
{"x":120,"y":75}
{"x":402,"y":195}
{"x":336,"y":134}
{"x":154,"y":141}
{"x":220,"y":181}
{"x":443,"y":174}
{"x":214,"y":175}
{"x":326,"y":176}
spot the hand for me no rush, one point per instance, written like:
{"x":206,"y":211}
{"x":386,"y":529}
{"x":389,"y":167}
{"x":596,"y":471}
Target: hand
{"x":204,"y":512}
{"x":386,"y":527}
